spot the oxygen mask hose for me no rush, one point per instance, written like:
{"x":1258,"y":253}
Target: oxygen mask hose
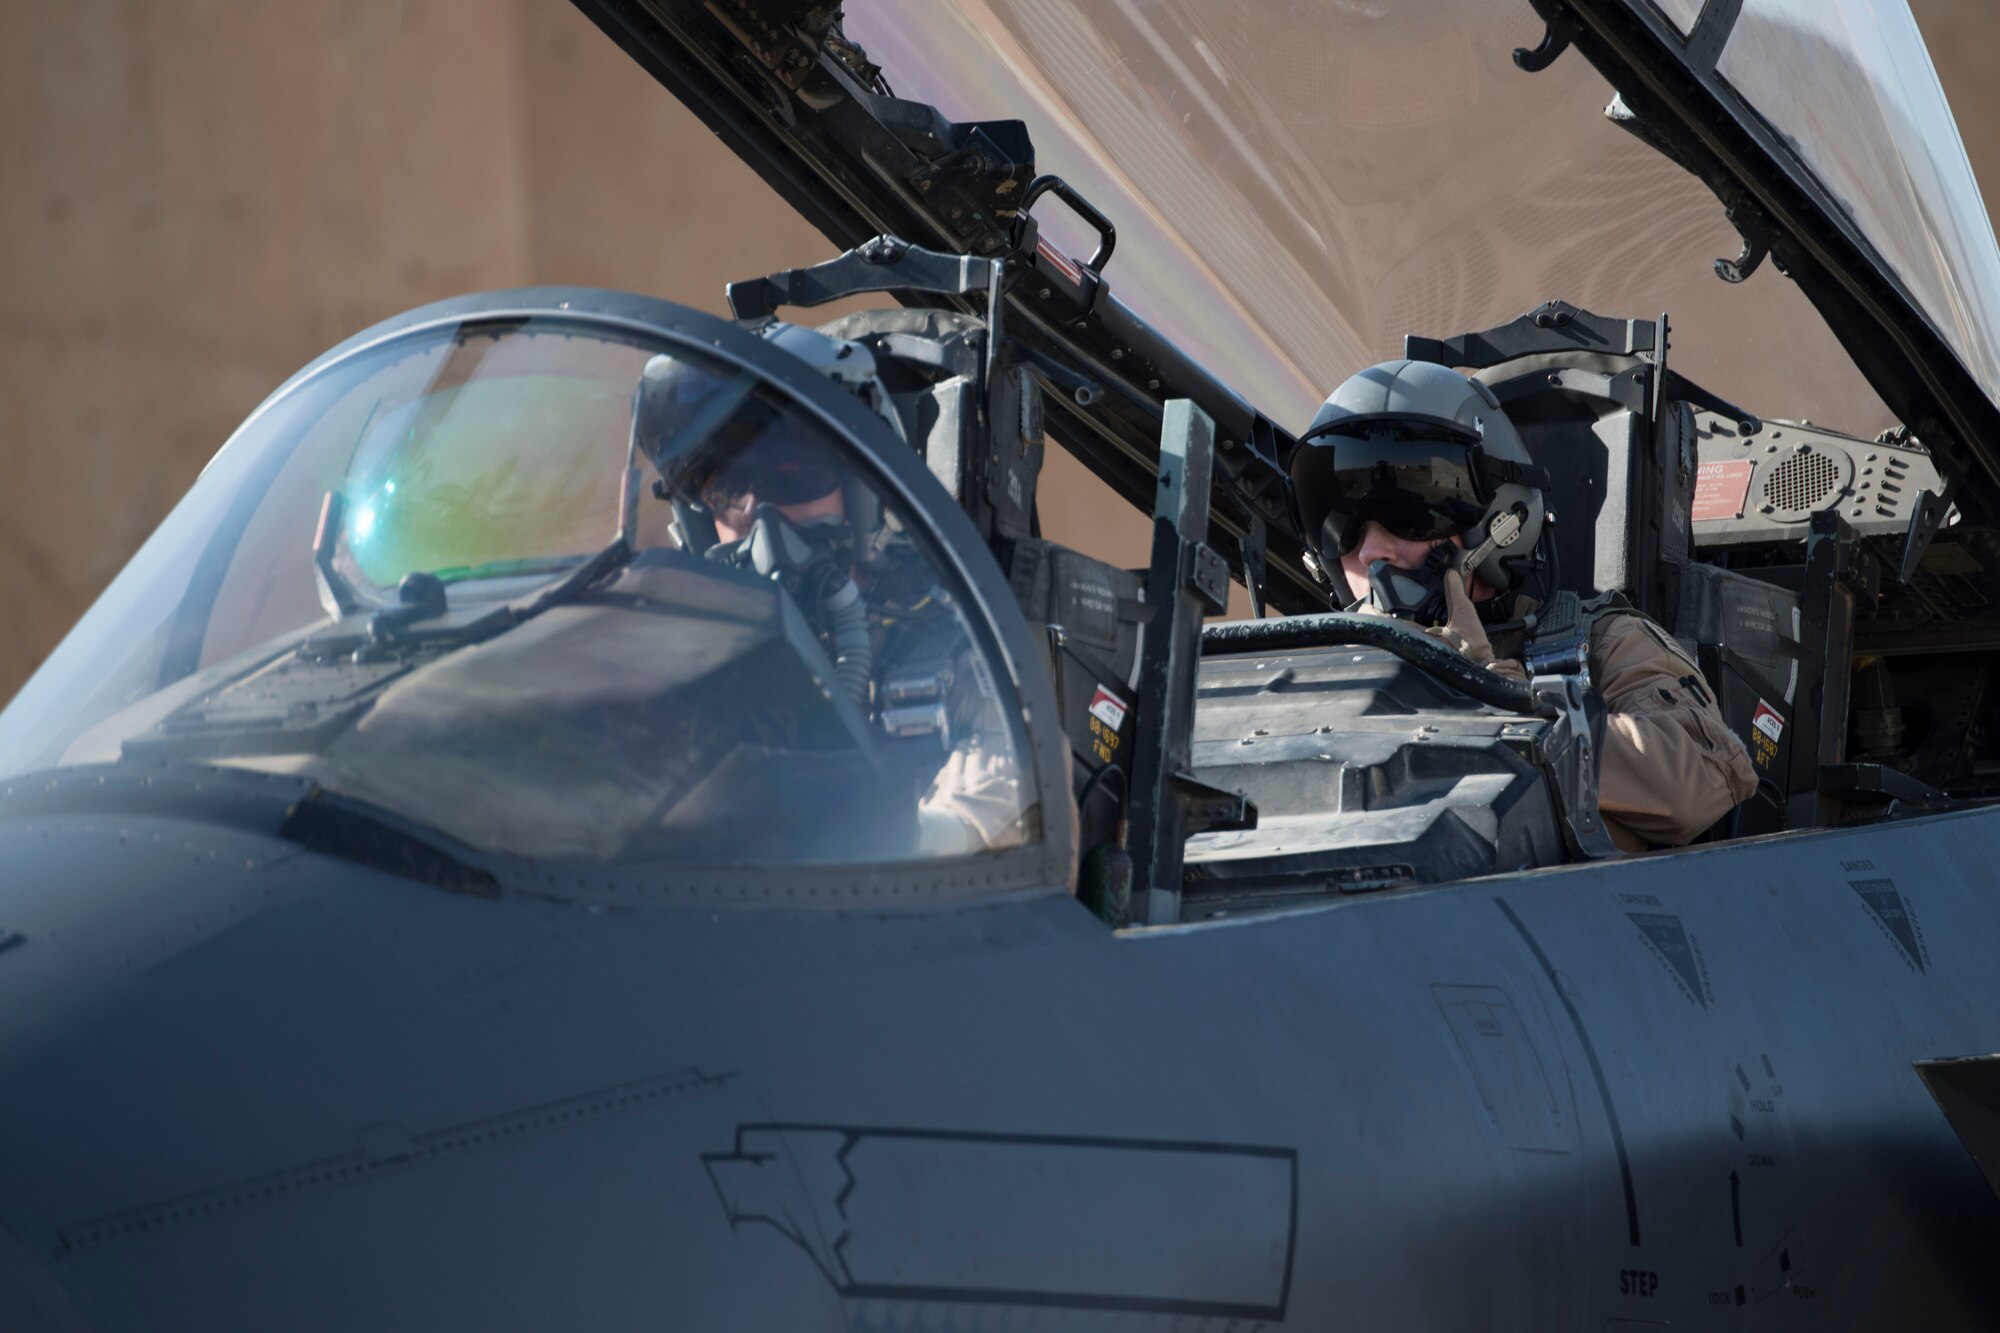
{"x":812,"y":562}
{"x":853,"y":657}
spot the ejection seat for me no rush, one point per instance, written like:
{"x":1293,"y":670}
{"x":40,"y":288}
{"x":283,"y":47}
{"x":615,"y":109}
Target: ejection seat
{"x":1649,"y":473}
{"x":1597,"y":406}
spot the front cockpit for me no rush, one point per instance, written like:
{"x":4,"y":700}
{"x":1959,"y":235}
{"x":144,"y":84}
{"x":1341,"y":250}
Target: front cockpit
{"x":570,"y":589}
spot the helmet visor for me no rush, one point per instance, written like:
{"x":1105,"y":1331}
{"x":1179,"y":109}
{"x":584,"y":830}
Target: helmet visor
{"x":1419,"y":490}
{"x":771,"y":469}
{"x":728,"y":444}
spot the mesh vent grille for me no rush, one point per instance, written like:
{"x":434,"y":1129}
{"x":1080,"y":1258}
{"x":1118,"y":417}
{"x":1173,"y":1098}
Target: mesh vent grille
{"x":1802,"y":481}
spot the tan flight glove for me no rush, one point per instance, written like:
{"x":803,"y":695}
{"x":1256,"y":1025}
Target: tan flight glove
{"x":1463,"y":631}
{"x":974,"y":802}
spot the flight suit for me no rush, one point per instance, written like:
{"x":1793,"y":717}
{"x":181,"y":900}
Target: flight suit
{"x":928,"y":669}
{"x":1669,"y":765}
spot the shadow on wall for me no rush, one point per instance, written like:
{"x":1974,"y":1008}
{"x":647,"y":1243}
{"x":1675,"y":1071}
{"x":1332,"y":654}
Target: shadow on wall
{"x":203,"y":198}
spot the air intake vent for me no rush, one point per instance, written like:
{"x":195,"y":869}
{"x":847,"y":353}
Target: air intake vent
{"x":1802,"y":482}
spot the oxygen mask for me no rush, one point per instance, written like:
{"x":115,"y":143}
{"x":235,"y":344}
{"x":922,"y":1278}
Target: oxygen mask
{"x":812,"y":559}
{"x":1415,"y":595}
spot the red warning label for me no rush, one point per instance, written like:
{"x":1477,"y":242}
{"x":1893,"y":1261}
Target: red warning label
{"x":1719,"y":489}
{"x":1063,"y":263}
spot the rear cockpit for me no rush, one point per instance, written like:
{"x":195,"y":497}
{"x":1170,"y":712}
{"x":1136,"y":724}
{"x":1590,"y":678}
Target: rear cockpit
{"x":1776,"y":552}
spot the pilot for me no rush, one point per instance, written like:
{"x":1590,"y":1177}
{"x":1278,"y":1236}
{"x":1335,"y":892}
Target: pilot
{"x":1420,"y":501}
{"x":754,"y":487}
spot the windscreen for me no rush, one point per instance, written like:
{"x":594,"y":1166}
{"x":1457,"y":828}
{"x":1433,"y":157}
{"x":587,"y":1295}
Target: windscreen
{"x":557,"y":589}
{"x":1297,"y":184}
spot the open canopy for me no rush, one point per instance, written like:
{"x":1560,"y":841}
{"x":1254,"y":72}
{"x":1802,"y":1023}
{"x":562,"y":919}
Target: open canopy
{"x":1299,"y":183}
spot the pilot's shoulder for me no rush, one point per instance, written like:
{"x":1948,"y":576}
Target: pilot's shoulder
{"x":1625,"y":641}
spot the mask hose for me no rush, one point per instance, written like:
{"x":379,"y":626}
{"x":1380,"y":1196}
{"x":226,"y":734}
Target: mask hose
{"x":853,"y":659}
{"x":818,"y":577}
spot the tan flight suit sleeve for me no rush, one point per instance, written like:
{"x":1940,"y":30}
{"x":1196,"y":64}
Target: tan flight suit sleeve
{"x":1670,"y":766}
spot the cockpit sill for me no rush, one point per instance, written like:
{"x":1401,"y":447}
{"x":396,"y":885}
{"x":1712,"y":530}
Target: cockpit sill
{"x":144,"y":802}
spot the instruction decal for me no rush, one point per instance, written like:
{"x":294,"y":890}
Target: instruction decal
{"x":1668,"y":940}
{"x":1893,"y":915}
{"x":1107,"y":719}
{"x":1767,"y":727}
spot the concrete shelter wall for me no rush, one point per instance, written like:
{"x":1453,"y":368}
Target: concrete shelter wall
{"x":198,"y":196}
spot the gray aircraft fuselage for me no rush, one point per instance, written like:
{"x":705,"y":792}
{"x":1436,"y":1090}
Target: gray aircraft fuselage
{"x":248,"y":1086}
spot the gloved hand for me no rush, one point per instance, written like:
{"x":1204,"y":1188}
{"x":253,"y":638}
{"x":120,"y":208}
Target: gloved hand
{"x":1463,"y":631}
{"x":973,"y":804}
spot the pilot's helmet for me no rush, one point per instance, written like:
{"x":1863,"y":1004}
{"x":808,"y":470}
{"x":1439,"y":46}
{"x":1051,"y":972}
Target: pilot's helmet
{"x":1427,"y":453}
{"x":724,"y":447}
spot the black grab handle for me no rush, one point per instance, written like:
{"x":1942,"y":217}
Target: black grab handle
{"x":1107,"y":235}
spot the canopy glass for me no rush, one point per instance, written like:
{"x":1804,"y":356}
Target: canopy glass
{"x":1299,"y":183}
{"x":1850,"y":86}
{"x":561,"y":589}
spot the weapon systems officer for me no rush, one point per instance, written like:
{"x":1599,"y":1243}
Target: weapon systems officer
{"x":1420,"y":502}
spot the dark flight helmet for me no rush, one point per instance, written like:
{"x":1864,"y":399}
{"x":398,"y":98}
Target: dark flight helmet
{"x":1427,"y":453}
{"x":715,"y":439}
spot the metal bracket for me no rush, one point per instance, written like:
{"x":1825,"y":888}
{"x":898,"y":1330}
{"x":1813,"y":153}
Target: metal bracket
{"x":1207,"y":575}
{"x":1569,"y":753}
{"x":1833,"y":575}
{"x":1184,"y":578}
{"x":1254,"y":551}
{"x":1552,"y":45}
{"x":1555,"y":326}
{"x":1931,"y":507}
{"x":884,"y":264}
{"x":1676,"y":387}
{"x":336,"y":594}
{"x":1711,"y":34}
{"x":1878,"y":781}
{"x":1211,"y":809}
{"x":1747,"y":262}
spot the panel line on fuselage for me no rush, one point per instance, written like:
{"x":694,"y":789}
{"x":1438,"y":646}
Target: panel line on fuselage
{"x":1596,"y":1069}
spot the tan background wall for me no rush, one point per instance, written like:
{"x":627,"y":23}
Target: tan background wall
{"x":198,"y":196}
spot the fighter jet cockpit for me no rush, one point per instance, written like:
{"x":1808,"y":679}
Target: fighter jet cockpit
{"x":563,"y":587}
{"x":589,"y":580}
{"x":591,"y":813}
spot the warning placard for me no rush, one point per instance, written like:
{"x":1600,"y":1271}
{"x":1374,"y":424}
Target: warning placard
{"x":1767,"y":725}
{"x":1108,"y":708}
{"x":1720,"y":489}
